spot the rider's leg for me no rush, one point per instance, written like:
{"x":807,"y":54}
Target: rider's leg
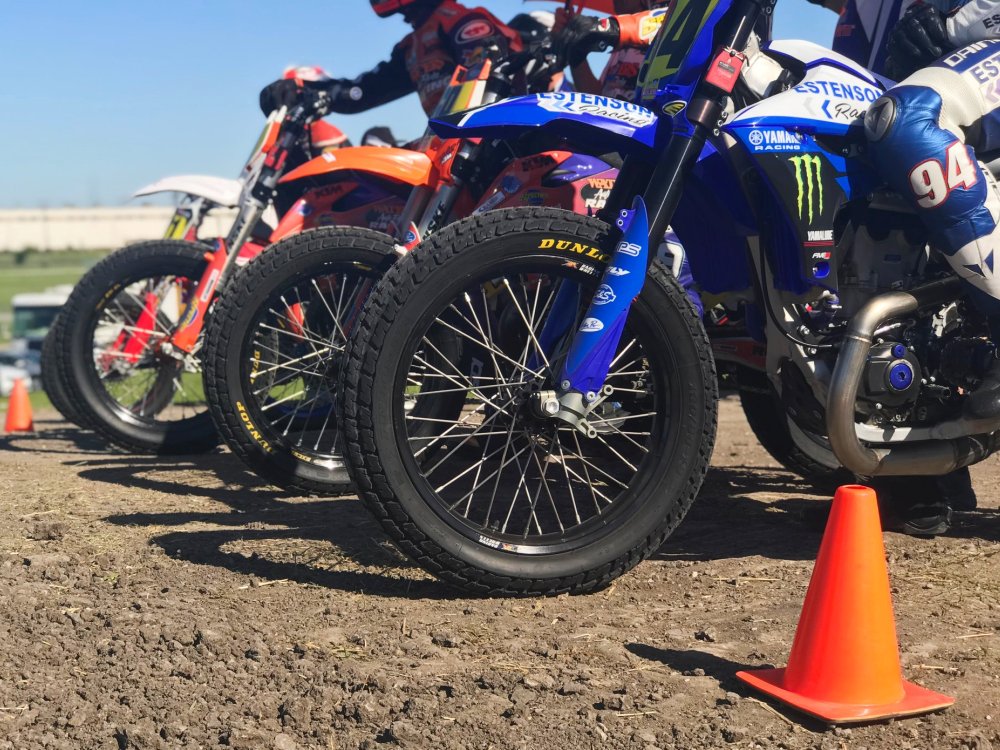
{"x":922,"y":136}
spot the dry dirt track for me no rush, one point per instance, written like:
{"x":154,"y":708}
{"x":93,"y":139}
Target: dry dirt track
{"x":178,"y":603}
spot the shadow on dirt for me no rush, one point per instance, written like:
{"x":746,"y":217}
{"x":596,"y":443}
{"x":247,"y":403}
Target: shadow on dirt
{"x":733,"y":517}
{"x":337,"y":544}
{"x":80,"y":441}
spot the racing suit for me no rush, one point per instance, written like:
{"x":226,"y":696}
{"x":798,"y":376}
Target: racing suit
{"x":924,"y":134}
{"x":863,"y":29}
{"x":426,"y":58}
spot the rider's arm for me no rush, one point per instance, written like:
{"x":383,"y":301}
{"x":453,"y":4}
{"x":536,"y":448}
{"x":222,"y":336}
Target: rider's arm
{"x":639,"y":29}
{"x":387,"y":82}
{"x":586,"y":34}
{"x":973,"y":22}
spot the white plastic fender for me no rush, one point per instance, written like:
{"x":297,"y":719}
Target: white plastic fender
{"x":219,"y":190}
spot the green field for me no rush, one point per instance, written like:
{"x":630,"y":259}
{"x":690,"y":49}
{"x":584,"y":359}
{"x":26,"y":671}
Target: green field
{"x":36,"y":272}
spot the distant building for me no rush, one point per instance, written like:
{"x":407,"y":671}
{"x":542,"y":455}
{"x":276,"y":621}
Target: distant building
{"x":99,"y":228}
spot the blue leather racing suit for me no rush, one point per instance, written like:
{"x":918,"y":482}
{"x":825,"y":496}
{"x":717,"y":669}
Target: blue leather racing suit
{"x":924,"y":136}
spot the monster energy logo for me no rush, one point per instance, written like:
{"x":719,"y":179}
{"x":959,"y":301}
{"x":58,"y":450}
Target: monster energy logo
{"x":809,"y":179}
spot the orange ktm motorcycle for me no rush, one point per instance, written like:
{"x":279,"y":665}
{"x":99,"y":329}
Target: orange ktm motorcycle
{"x":275,"y":341}
{"x":125,"y":355}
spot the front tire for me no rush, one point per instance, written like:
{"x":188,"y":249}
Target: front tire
{"x":274,"y":349}
{"x":487,"y":283}
{"x":125,"y":388}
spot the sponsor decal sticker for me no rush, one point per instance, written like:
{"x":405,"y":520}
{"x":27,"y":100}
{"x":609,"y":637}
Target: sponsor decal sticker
{"x":604,"y":295}
{"x":492,"y":202}
{"x":533,"y":198}
{"x":616,"y":271}
{"x":189,"y":316}
{"x":672,"y":109}
{"x":598,"y":106}
{"x":629,"y":248}
{"x":809,"y":181}
{"x":773,"y":139}
{"x":574,"y":247}
{"x":591,"y":325}
{"x":251,"y":429}
{"x":475,"y":29}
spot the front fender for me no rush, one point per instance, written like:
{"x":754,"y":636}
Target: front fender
{"x":598,"y":124}
{"x":219,"y":190}
{"x":398,"y":164}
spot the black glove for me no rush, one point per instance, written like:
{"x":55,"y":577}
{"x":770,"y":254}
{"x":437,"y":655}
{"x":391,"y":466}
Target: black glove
{"x":586,"y":34}
{"x":284,"y":92}
{"x":918,"y":39}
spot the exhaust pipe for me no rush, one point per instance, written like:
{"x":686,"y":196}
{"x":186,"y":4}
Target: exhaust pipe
{"x":925,"y":458}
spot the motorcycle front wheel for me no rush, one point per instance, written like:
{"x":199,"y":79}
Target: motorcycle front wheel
{"x":489,"y":494}
{"x":275,"y":348}
{"x":110,"y":353}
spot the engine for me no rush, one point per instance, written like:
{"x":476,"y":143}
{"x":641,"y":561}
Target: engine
{"x":918,"y":369}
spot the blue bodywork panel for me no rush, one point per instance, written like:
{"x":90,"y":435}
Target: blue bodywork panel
{"x":598,"y":123}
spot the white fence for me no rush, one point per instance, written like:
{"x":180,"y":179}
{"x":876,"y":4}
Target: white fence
{"x":99,"y":228}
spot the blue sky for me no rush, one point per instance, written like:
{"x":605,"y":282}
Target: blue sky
{"x":100,"y":98}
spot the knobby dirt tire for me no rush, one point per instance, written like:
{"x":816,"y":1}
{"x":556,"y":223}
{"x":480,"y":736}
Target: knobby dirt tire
{"x":251,"y":434}
{"x":56,"y":390}
{"x":387,"y":483}
{"x":143,"y":260}
{"x":766,"y":416}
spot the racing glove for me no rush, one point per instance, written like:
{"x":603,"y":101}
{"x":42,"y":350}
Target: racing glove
{"x":919,"y":38}
{"x":585,"y":34}
{"x":284,"y":92}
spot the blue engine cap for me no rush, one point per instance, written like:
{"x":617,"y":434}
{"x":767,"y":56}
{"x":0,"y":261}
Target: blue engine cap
{"x":898,"y":351}
{"x":900,"y":376}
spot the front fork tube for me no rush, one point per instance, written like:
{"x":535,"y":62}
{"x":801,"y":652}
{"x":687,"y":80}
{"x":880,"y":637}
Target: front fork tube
{"x":220,"y":262}
{"x":582,"y":385}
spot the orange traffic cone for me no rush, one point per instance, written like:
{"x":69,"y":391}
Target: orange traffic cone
{"x":19,"y":410}
{"x":844,"y":665}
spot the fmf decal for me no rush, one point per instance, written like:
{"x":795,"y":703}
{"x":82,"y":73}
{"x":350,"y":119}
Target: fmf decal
{"x":574,"y":247}
{"x":809,"y":181}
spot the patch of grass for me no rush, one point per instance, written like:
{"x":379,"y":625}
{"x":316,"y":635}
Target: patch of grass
{"x":38,"y":401}
{"x":37,"y":271}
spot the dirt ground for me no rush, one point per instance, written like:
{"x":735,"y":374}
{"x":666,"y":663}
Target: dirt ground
{"x":153,"y":603}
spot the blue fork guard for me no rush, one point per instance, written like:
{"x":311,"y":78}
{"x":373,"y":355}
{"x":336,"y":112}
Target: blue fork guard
{"x":595,"y":343}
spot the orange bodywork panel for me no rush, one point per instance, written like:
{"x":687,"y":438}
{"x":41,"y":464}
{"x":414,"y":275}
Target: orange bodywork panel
{"x":399,"y":164}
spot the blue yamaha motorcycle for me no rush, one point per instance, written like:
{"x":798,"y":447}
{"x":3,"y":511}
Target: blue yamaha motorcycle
{"x":589,"y":380}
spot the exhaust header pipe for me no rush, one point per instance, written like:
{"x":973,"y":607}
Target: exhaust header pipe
{"x":925,"y":458}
